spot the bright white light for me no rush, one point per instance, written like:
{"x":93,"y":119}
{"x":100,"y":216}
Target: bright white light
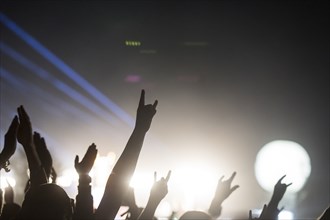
{"x":97,"y":193}
{"x":196,"y":183}
{"x":100,"y":173}
{"x":67,"y":178}
{"x":10,"y":180}
{"x":142,"y":181}
{"x":279,"y":158}
{"x":64,"y":181}
{"x":102,"y":169}
{"x":164,"y":210}
{"x":284,"y":215}
{"x":192,"y":184}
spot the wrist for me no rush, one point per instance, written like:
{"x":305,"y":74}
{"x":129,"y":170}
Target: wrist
{"x":218,"y":200}
{"x":84,"y":179}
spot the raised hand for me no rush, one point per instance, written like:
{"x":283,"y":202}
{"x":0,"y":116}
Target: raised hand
{"x":43,"y":153}
{"x":145,"y":113}
{"x":271,"y":211}
{"x":9,"y":144}
{"x":24,"y":132}
{"x":157,"y":193}
{"x":25,"y":138}
{"x":159,"y":189}
{"x":280,"y":189}
{"x":222,"y":192}
{"x":86,"y":164}
{"x":224,"y":188}
{"x":117,"y":184}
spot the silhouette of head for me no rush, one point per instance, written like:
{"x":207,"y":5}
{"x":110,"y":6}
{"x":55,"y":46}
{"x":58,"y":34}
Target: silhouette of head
{"x":195,"y":215}
{"x":47,"y":201}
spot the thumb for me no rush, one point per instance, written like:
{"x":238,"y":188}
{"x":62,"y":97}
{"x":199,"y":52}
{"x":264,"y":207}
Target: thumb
{"x":234,"y":188}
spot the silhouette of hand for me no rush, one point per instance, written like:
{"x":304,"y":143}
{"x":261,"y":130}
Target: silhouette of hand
{"x":279,"y":189}
{"x":9,"y":144}
{"x":24,"y":132}
{"x":9,"y":194}
{"x":222,"y":192}
{"x":86,"y":164}
{"x":145,"y":113}
{"x":224,"y":188}
{"x":43,"y":153}
{"x":159,"y":189}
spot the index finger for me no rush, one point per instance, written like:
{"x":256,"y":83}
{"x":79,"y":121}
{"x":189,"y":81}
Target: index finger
{"x":14,"y":124}
{"x":23,"y":113}
{"x":141,"y":103}
{"x":281,"y":179}
{"x":155,"y":176}
{"x":155,"y":104}
{"x":232,"y":176}
{"x":168,"y":175}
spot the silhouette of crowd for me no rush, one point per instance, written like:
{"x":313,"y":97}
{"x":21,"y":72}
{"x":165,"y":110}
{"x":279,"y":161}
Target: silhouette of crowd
{"x":46,"y":200}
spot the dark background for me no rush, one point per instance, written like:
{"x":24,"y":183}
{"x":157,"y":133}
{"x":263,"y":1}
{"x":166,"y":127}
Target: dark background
{"x":230,"y":76}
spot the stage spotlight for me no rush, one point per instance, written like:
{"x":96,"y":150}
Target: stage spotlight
{"x":282,"y":157}
{"x":195,"y":182}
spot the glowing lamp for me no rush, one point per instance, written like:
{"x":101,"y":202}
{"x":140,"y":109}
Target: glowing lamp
{"x":282,"y":157}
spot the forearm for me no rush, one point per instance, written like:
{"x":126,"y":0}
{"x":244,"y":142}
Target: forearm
{"x":84,"y":199}
{"x":37,"y":174}
{"x":126,"y":163}
{"x":118,"y":181}
{"x":274,"y":202}
{"x":149,"y":211}
{"x":215,"y":207}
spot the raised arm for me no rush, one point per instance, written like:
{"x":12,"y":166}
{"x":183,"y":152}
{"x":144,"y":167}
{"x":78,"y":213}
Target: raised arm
{"x":222,"y":192}
{"x":43,"y":153}
{"x":118,"y":181}
{"x":157,"y":193}
{"x":278,"y":193}
{"x":271,"y":211}
{"x":9,"y":144}
{"x":25,"y":138}
{"x":84,"y":199}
